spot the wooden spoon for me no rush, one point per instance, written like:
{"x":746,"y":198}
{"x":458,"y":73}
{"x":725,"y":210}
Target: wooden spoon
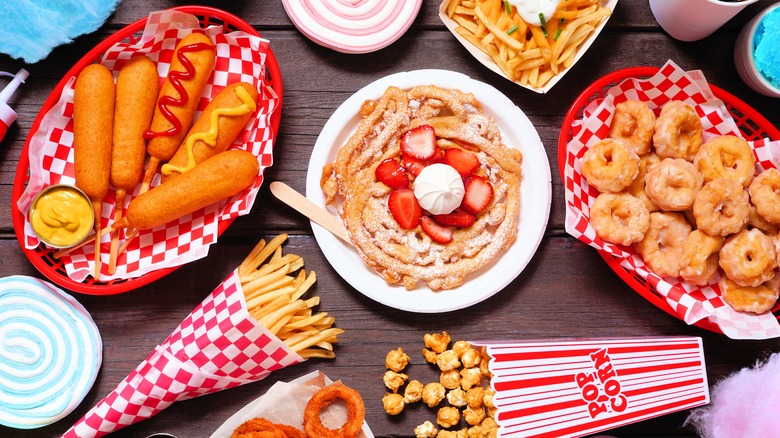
{"x":314,"y":212}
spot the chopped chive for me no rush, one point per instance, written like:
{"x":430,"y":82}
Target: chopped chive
{"x":507,"y":7}
{"x":544,"y":29}
{"x":557,"y":34}
{"x":512,"y":30}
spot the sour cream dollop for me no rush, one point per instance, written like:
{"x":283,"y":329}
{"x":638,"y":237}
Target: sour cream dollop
{"x":439,"y":188}
{"x":530,"y":10}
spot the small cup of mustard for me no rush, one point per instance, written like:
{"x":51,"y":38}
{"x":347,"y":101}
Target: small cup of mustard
{"x":61,"y":216}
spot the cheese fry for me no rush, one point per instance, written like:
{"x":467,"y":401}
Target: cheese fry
{"x":527,"y":53}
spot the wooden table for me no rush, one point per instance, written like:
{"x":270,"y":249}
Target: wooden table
{"x":566,"y":291}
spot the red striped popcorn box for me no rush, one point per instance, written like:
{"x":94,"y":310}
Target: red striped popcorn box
{"x":572,"y":388}
{"x":218,"y":346}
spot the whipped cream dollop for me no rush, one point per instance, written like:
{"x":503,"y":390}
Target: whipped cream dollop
{"x":439,"y":188}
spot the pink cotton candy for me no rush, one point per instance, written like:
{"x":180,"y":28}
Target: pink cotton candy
{"x":745,"y":404}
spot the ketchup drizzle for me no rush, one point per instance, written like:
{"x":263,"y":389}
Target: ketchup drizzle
{"x":175,"y":78}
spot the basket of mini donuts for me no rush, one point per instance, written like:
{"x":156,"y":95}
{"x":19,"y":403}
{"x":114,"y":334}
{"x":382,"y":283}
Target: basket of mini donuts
{"x":672,"y":180}
{"x":129,"y":255}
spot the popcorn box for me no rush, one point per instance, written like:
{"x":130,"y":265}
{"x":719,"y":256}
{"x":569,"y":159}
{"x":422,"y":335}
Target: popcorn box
{"x":577,"y":387}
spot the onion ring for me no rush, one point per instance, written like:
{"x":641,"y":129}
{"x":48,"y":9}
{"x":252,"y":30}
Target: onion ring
{"x":356,"y":412}
{"x":258,"y":428}
{"x":290,"y":431}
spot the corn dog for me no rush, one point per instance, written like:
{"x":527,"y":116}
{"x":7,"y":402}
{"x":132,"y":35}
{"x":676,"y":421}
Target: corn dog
{"x":190,"y":69}
{"x":137,"y":86}
{"x":215,"y":130}
{"x":93,"y":114}
{"x":213,"y":180}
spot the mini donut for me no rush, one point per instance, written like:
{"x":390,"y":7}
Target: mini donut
{"x":700,"y":257}
{"x":755,"y":220}
{"x":661,"y":248}
{"x":678,"y":131}
{"x":765,"y":194}
{"x":610,"y":165}
{"x":721,"y":207}
{"x":749,"y":258}
{"x":756,"y":299}
{"x":619,"y":218}
{"x":637,"y":187}
{"x":728,"y":157}
{"x":673,"y":184}
{"x":634,"y":123}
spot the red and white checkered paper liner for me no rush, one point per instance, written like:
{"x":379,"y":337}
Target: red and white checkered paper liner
{"x":240,"y":57}
{"x":692,"y":303}
{"x":571,"y":388}
{"x":219,"y":345}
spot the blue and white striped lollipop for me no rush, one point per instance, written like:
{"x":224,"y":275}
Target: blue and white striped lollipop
{"x":50,"y":353}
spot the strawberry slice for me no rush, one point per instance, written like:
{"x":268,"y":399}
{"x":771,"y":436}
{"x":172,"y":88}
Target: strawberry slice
{"x":436,"y":232}
{"x":416,"y":165}
{"x":478,"y":194}
{"x":464,"y":162}
{"x":438,"y":156}
{"x":405,"y":209}
{"x":459,"y":219}
{"x":413,"y":165}
{"x":419,"y":142}
{"x":391,"y":173}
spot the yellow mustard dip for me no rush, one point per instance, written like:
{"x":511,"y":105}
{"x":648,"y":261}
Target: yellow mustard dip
{"x":61,"y":216}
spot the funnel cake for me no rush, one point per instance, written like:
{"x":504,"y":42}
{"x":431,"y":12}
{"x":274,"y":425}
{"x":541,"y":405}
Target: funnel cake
{"x":407,"y":256}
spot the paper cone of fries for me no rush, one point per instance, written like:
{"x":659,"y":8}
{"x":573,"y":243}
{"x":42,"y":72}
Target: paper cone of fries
{"x":219,"y":345}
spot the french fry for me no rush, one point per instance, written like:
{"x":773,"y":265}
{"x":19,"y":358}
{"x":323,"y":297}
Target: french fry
{"x":274,"y":297}
{"x":529,"y":54}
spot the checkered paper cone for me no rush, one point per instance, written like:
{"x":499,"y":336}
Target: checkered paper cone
{"x":692,"y":303}
{"x":219,"y":345}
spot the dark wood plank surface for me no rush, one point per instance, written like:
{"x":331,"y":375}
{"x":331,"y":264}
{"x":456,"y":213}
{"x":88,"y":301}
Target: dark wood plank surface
{"x":566,"y":291}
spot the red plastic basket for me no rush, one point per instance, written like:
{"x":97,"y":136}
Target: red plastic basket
{"x":751,"y":124}
{"x":42,"y":257}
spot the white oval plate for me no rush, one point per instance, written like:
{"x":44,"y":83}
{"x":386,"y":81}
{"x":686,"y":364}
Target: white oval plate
{"x":535,"y":197}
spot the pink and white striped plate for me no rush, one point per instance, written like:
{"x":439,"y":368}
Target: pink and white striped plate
{"x":352,"y":26}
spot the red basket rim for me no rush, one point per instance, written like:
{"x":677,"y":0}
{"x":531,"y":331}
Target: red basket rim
{"x":565,"y":136}
{"x":205,"y":14}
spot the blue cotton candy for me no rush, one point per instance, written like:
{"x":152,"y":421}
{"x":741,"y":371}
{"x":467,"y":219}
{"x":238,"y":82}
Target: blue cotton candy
{"x":30,"y":29}
{"x":767,"y":47}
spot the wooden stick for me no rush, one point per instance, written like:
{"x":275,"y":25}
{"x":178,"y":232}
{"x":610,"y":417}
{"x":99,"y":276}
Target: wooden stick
{"x":98,"y":207}
{"x":303,"y":205}
{"x":129,"y":239}
{"x":119,"y":207}
{"x":87,"y":241}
